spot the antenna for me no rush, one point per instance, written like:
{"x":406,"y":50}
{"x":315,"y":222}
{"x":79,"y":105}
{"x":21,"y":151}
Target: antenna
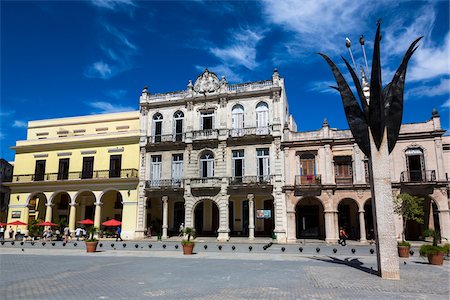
{"x":348,"y":43}
{"x":361,"y":41}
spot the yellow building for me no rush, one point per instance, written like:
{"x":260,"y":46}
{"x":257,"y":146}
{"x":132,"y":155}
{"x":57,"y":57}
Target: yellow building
{"x":78,"y":168}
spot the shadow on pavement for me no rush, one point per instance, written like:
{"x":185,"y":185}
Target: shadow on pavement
{"x":353,"y":262}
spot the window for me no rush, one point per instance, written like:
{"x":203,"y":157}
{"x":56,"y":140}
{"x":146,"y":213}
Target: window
{"x":115,"y":166}
{"x":307,"y":168}
{"x":207,"y":165}
{"x":262,"y":164}
{"x":156,"y":170}
{"x":415,"y":164}
{"x":238,"y":165}
{"x":39,"y":170}
{"x":343,"y":169}
{"x":88,"y":167}
{"x":262,"y":118}
{"x":207,"y":120}
{"x":178,"y":126}
{"x":157,"y":127}
{"x":237,"y":120}
{"x":63,"y":169}
{"x":177,"y":168}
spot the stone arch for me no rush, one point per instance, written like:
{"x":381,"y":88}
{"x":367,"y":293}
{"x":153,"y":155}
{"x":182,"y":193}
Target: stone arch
{"x":60,"y":201}
{"x":78,"y":193}
{"x":205,"y":214}
{"x":84,"y":202}
{"x":310,"y":218}
{"x":36,"y":204}
{"x":348,"y":217}
{"x":415,"y":230}
{"x":111,"y":201}
{"x":368,"y":219}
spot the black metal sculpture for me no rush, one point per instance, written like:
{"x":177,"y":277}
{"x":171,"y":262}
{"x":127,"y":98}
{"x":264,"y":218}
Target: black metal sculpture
{"x":385,"y":108}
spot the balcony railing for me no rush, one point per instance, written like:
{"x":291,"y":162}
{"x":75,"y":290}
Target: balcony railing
{"x":205,"y":134}
{"x":251,"y":180}
{"x":344,"y":180}
{"x":206,"y":182}
{"x":309,"y":180}
{"x":167,"y":138}
{"x":250,"y":86}
{"x":163,"y":183}
{"x":238,"y":132}
{"x":101,"y":174}
{"x":418,"y":176}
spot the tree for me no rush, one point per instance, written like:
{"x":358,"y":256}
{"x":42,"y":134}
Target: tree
{"x":409,"y":208}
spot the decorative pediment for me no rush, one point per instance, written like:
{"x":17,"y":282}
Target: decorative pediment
{"x":207,"y":83}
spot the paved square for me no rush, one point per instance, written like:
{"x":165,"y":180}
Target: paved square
{"x":74,"y":274}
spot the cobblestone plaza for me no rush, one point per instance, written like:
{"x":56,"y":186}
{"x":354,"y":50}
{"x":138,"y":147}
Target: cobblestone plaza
{"x":41,"y":272}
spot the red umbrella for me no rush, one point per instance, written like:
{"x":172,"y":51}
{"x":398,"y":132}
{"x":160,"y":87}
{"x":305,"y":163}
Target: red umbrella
{"x":46,"y":223}
{"x":17,"y":223}
{"x":86,"y":222}
{"x":112,"y":223}
{"x":2,"y":224}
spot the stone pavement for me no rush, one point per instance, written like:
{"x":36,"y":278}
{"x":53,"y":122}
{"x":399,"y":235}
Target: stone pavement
{"x":70,"y":273}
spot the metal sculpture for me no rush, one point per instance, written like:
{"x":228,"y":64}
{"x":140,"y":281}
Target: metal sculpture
{"x":375,"y":129}
{"x":385,"y":107}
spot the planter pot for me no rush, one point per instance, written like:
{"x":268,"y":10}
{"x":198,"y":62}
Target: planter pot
{"x":436,"y":259}
{"x":91,"y":246}
{"x":403,"y":251}
{"x":188,"y":248}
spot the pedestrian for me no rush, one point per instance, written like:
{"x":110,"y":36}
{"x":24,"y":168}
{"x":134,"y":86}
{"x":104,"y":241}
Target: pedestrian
{"x":11,"y":232}
{"x":2,"y":233}
{"x":78,"y":233}
{"x":119,"y":231}
{"x":181,"y":229}
{"x":83,"y":233}
{"x":342,"y":237}
{"x":66,"y":234}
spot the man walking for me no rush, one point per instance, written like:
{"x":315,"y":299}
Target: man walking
{"x":119,"y":231}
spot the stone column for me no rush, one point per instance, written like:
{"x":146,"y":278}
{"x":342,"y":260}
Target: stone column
{"x":362,"y":227}
{"x":165,"y":216}
{"x":48,"y":212}
{"x":336,"y":225}
{"x":383,"y":212}
{"x":328,"y":165}
{"x":72,"y":216}
{"x":251,"y":217}
{"x":330,"y":236}
{"x":444,"y":221}
{"x":98,"y":215}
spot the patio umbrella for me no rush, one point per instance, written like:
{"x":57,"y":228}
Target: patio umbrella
{"x":112,"y":223}
{"x":86,"y":222}
{"x":46,"y":223}
{"x":2,"y":224}
{"x":17,"y":223}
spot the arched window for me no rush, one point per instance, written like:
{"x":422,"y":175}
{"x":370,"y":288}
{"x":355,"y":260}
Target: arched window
{"x":157,"y":127}
{"x":207,"y":164}
{"x":262,"y":118}
{"x":178,"y":126}
{"x":237,"y":120}
{"x":415,"y":164}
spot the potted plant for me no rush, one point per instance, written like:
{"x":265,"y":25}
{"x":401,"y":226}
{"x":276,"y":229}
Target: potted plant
{"x":434,"y":252}
{"x":409,"y":208}
{"x":91,"y":241}
{"x":187,"y":243}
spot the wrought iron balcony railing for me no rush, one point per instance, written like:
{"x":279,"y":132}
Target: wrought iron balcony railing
{"x":167,"y":138}
{"x":238,"y":132}
{"x":309,"y":180}
{"x":100,"y":174}
{"x":251,"y":180}
{"x":161,"y":183}
{"x":205,"y":182}
{"x":418,"y":176}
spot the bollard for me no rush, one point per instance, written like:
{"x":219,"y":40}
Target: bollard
{"x":206,"y":247}
{"x":112,"y":245}
{"x":124,"y":245}
{"x":233,"y":247}
{"x":372,"y":251}
{"x":317,"y":249}
{"x":300,"y":249}
{"x":176,"y":246}
{"x":150,"y":245}
{"x":283,"y":249}
{"x":164,"y":246}
{"x":100,"y":245}
{"x":334,"y":250}
{"x":136,"y":246}
{"x":250,"y":248}
{"x":353,"y":250}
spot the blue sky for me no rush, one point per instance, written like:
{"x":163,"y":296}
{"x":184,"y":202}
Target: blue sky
{"x":69,"y":58}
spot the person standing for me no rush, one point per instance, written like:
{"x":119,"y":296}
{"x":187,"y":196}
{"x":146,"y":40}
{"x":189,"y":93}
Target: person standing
{"x":11,"y":232}
{"x":66,"y":234}
{"x":78,"y":233}
{"x":119,"y":231}
{"x":342,"y":237}
{"x":2,"y":233}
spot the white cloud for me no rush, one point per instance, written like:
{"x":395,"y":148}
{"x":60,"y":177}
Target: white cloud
{"x":431,"y":90}
{"x":119,"y":35}
{"x":241,"y":50}
{"x":106,"y":107}
{"x":99,"y":69}
{"x":6,"y":113}
{"x":19,"y":124}
{"x":323,"y":87}
{"x":2,"y":136}
{"x":113,"y":4}
{"x":116,"y":94}
{"x":446,"y":104}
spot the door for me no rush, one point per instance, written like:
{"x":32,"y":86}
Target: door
{"x":269,"y":223}
{"x":263,"y":165}
{"x":179,"y":130}
{"x":177,"y":168}
{"x":39,"y":170}
{"x":238,"y":165}
{"x":115,"y":166}
{"x":415,"y":167}
{"x":308,"y":221}
{"x":199,"y":218}
{"x":63,"y":169}
{"x":156,"y":169}
{"x":178,"y":215}
{"x":88,"y":167}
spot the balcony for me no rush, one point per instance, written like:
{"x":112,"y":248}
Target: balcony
{"x":101,"y":174}
{"x":167,"y":138}
{"x":308,"y":180}
{"x":175,"y":185}
{"x":205,"y":186}
{"x":250,"y":184}
{"x":344,"y":180}
{"x":240,"y":132}
{"x":418,"y":176}
{"x":251,"y":180}
{"x":205,"y":134}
